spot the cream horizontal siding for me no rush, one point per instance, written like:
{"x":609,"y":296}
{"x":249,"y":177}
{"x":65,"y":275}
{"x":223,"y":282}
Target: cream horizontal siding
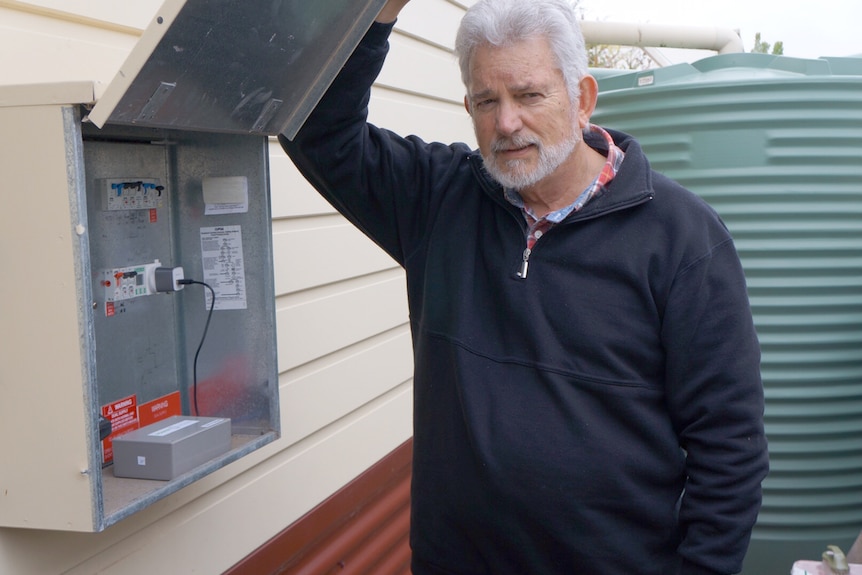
{"x":131,"y":16}
{"x":321,"y":250}
{"x":344,"y":346}
{"x":437,"y":80}
{"x":324,"y":320}
{"x":378,"y":361}
{"x":40,"y":43}
{"x":292,"y":196}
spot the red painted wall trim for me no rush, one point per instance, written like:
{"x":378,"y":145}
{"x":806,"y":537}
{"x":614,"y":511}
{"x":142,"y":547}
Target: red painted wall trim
{"x":362,"y":529}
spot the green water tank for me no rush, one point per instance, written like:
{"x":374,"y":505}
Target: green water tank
{"x":774,"y":144}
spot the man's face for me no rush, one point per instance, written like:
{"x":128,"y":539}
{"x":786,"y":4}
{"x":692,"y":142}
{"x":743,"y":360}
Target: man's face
{"x":525,"y":123}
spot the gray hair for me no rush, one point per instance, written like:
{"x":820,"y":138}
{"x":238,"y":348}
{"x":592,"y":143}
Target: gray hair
{"x":505,"y":22}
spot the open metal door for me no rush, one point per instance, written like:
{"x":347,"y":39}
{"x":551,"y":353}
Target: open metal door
{"x":235,"y":66}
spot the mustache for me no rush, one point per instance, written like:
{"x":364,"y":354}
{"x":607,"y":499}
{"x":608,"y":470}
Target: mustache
{"x":514,"y":143}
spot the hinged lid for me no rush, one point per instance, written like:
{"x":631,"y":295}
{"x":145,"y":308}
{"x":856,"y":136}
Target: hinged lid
{"x":240,"y":66}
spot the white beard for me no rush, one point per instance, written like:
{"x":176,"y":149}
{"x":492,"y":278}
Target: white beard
{"x":515,"y":174}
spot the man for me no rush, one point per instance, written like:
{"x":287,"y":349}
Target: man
{"x":587,"y":394}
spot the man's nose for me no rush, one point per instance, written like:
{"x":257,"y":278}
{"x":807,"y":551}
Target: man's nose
{"x":509,"y":119}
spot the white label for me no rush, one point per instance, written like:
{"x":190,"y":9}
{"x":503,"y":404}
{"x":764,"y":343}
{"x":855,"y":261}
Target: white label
{"x":225,"y":195}
{"x":142,"y":461}
{"x":224,"y":266}
{"x":646,"y":80}
{"x":173,"y":428}
{"x":213,"y":423}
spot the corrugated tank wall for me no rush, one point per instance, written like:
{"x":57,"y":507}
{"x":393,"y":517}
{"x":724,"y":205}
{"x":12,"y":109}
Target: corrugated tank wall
{"x":774,"y":144}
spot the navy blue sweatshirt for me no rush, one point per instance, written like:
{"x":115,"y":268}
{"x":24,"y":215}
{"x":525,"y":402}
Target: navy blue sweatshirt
{"x":602,"y":415}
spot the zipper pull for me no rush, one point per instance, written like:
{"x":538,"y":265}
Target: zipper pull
{"x":525,"y":264}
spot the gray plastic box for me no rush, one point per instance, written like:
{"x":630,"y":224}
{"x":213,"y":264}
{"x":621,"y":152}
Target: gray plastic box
{"x":171,"y":447}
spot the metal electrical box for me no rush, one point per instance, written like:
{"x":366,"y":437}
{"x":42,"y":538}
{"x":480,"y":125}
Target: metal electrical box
{"x":138,"y":294}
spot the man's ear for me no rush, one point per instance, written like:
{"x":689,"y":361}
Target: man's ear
{"x":587,"y":102}
{"x":467,"y":105}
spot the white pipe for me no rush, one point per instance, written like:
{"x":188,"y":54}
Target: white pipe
{"x":722,"y":40}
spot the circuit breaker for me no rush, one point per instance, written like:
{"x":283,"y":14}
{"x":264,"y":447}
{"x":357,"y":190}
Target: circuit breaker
{"x":139,"y":299}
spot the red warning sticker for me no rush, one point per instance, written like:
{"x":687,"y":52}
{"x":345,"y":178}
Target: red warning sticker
{"x":123,"y":415}
{"x":160,"y":409}
{"x":154,"y":215}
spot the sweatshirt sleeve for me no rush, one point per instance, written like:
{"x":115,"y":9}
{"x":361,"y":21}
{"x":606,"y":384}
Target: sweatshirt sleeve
{"x":715,"y":397}
{"x":327,"y":148}
{"x":383,"y":183}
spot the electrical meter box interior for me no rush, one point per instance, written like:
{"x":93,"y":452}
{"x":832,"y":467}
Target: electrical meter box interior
{"x":139,"y":297}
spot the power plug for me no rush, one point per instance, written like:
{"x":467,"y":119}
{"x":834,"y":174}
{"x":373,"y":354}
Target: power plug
{"x":168,"y":279}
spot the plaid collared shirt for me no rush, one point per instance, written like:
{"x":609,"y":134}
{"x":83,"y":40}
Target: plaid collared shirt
{"x":540,"y":226}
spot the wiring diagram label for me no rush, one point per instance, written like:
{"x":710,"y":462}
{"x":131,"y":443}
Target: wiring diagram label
{"x":224,"y":266}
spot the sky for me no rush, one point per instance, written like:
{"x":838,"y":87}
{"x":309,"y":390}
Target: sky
{"x":808,"y":29}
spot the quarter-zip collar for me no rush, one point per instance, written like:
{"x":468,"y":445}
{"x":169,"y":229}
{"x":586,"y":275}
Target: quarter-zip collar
{"x":630,"y":187}
{"x":613,"y":159}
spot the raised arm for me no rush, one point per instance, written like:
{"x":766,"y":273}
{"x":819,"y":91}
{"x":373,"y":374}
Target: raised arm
{"x":391,"y":10}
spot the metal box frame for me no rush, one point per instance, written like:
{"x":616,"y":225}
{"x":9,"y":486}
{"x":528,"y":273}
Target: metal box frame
{"x":57,"y":481}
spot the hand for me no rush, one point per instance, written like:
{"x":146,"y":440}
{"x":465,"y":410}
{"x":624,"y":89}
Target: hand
{"x":390,"y":11}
